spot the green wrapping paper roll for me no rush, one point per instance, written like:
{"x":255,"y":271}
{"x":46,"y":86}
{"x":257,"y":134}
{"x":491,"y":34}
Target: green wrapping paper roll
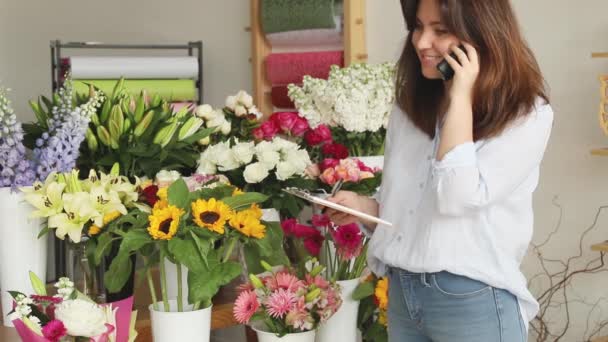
{"x":170,"y":90}
{"x":291,"y":15}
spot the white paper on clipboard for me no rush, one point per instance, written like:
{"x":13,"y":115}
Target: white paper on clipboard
{"x":318,"y":200}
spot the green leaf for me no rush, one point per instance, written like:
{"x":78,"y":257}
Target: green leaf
{"x":103,"y":242}
{"x":144,"y":150}
{"x":269,"y":249}
{"x":133,"y":240}
{"x":43,"y":232}
{"x":364,"y":290}
{"x":204,"y":285}
{"x":203,"y":247}
{"x":187,"y":253}
{"x":244,"y":200}
{"x":117,"y":275}
{"x":178,"y":194}
{"x":37,"y":284}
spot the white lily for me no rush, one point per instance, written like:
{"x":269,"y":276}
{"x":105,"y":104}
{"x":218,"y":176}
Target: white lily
{"x":78,"y":211}
{"x":104,"y":202}
{"x":48,"y":203}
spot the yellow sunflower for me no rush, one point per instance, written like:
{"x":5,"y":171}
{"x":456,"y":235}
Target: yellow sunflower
{"x":164,"y":222}
{"x":256,"y":211}
{"x":211,"y":214}
{"x":382,"y":318}
{"x":381,"y":293}
{"x":107,"y":218}
{"x":237,"y":191}
{"x":162,"y":194}
{"x":248,"y":224}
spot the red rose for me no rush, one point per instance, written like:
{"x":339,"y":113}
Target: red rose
{"x":324,"y":132}
{"x":335,"y":150}
{"x":149,"y":195}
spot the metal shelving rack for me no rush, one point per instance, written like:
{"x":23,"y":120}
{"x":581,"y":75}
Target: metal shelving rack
{"x":57,"y":48}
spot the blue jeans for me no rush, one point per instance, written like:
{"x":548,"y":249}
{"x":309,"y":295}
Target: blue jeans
{"x":444,"y":307}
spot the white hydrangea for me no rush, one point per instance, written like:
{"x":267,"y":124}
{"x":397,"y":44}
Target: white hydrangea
{"x":358,"y":98}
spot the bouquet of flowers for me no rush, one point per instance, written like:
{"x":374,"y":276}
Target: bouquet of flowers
{"x":235,"y":121}
{"x":288,"y":301}
{"x":142,"y":135}
{"x":342,"y":249}
{"x":54,"y":143}
{"x":372,"y":319}
{"x":265,"y":167}
{"x":355,"y":175}
{"x":355,"y":101}
{"x":198,"y":229}
{"x":70,"y":315}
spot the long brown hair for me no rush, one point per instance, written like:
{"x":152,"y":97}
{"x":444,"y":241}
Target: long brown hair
{"x":509,"y":80}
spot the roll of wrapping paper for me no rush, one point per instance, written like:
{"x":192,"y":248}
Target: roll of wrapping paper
{"x":96,"y":67}
{"x":286,"y":68}
{"x":170,"y":90}
{"x":290,"y":15}
{"x":328,"y":39}
{"x":280,"y":99}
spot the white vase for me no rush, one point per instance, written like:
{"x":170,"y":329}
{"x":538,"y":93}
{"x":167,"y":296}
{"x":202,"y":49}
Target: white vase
{"x":21,"y":250}
{"x":171,"y":326}
{"x":342,"y":326}
{"x":373,"y":161}
{"x":264,"y":336}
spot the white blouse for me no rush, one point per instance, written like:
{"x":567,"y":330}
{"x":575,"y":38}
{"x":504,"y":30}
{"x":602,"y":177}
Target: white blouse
{"x":468,"y":214}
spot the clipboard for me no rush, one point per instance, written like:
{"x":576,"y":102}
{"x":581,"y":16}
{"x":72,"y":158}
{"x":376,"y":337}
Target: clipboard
{"x":318,"y":200}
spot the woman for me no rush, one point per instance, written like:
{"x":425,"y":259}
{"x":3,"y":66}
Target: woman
{"x":461,"y":163}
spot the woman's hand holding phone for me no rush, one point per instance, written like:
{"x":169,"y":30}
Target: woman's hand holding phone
{"x":465,"y":67}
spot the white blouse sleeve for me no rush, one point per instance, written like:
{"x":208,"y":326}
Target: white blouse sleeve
{"x":467,"y":179}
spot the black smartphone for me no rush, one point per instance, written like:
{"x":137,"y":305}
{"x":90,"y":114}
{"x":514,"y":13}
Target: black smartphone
{"x":445,"y":70}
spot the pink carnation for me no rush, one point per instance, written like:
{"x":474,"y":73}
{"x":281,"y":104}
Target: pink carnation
{"x":54,"y":330}
{"x":245,"y":306}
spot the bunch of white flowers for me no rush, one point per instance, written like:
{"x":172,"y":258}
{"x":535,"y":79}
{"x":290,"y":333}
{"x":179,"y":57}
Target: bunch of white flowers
{"x":284,"y":157}
{"x":242,"y":105}
{"x":358,"y":98}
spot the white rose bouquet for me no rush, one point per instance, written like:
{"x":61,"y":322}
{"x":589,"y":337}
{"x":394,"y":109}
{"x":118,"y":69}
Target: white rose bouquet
{"x":354,"y":101}
{"x":265,"y":167}
{"x":69,"y":315}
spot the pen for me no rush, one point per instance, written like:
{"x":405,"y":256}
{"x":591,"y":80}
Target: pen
{"x":334,"y":190}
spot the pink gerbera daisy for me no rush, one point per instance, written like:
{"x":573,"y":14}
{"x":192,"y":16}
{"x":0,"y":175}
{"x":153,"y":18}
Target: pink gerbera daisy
{"x":348,"y":240}
{"x":285,"y":281}
{"x":280,"y":302}
{"x":245,"y":306}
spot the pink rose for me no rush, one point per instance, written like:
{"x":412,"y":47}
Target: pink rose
{"x":328,"y":163}
{"x":363,"y":167}
{"x":284,"y":120}
{"x":324,"y":132}
{"x":269,"y":130}
{"x":329,"y":176}
{"x":300,"y":127}
{"x":257,"y":133}
{"x":312,"y":171}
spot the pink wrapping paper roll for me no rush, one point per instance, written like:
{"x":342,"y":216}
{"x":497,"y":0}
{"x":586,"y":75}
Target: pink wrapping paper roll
{"x":176,"y":106}
{"x":286,"y":68}
{"x":280,"y":99}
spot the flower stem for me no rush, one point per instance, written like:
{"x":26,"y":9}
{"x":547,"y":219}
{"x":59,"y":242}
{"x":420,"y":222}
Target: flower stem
{"x":163,"y":281}
{"x":180,"y":303}
{"x":231,"y":245}
{"x":151,"y":286}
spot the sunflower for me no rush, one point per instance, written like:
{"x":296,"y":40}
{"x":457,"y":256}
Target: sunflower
{"x":248,"y":224}
{"x":211,"y":214}
{"x":162,"y":193}
{"x":164,"y":222}
{"x":256,"y":211}
{"x":237,"y":191}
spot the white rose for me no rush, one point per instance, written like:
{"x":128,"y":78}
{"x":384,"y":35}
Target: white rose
{"x":282,"y":144}
{"x":299,"y":158}
{"x":243,"y":152}
{"x":231,"y":102}
{"x":226,"y":161}
{"x":204,"y":111}
{"x":240,"y":110}
{"x":81,"y":317}
{"x":285,"y":169}
{"x":253,"y":110}
{"x":218,"y":120}
{"x":165,"y":178}
{"x":255,"y":173}
{"x":206,"y":167}
{"x":226,"y":128}
{"x":244,"y":98}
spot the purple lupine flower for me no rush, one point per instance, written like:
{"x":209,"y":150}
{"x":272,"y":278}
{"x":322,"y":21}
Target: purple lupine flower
{"x":15,"y":168}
